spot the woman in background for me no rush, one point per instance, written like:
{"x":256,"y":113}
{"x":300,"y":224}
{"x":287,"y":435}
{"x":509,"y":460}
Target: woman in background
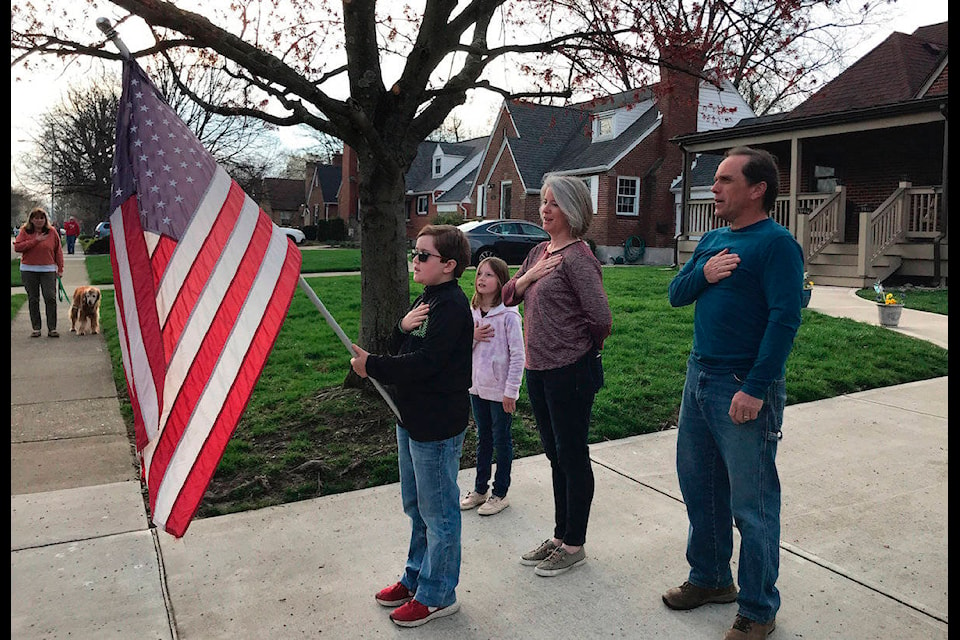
{"x":40,"y":265}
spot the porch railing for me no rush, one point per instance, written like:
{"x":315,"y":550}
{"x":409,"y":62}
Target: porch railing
{"x":701,"y":217}
{"x":823,"y":223}
{"x":923,"y":212}
{"x":909,"y":212}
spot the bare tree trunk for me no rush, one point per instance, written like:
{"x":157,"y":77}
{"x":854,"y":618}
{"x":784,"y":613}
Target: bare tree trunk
{"x":384,"y":277}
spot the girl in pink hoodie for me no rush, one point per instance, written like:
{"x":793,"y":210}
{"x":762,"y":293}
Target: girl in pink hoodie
{"x":498,"y":361}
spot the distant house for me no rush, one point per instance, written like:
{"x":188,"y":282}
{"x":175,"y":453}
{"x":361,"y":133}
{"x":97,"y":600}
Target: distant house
{"x":619,"y":145}
{"x":322,"y":184}
{"x":439,"y":181}
{"x":282,"y":199}
{"x":863,"y":166}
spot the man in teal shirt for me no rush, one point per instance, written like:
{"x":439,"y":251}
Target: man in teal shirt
{"x":746,"y":280}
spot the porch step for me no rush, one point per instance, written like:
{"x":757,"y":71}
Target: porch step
{"x":836,"y":266}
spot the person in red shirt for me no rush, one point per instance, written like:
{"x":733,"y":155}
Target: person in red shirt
{"x":72,"y":228}
{"x":40,"y":264}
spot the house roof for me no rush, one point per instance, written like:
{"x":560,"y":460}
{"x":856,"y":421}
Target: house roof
{"x":419,"y":178}
{"x":546,"y":134}
{"x":284,"y":194}
{"x":602,"y":154}
{"x":702,"y":172}
{"x":893,"y":72}
{"x":329,"y":177}
{"x":459,"y":192}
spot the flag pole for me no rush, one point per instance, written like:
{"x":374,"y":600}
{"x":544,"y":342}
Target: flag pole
{"x":344,"y":339}
{"x":104,"y":25}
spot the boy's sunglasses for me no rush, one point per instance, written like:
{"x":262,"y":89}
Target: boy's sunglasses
{"x":423,"y":256}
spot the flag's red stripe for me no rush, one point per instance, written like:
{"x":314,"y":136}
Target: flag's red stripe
{"x":160,"y":258}
{"x":187,"y":503}
{"x":193,"y":285}
{"x":138,"y":427}
{"x":205,"y":360}
{"x":144,"y":293}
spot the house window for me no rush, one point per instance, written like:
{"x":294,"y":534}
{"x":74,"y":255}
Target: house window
{"x":422,"y":205}
{"x":628,"y":196}
{"x":826,"y":178}
{"x":605,"y":127}
{"x":437,"y":166}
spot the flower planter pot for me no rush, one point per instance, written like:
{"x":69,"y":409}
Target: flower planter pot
{"x":805,"y":297}
{"x":890,"y":314}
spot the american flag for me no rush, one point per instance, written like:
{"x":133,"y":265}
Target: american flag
{"x":203,"y":281}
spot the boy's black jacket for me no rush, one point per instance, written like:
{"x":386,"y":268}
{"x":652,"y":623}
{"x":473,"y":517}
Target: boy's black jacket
{"x":430,"y":367}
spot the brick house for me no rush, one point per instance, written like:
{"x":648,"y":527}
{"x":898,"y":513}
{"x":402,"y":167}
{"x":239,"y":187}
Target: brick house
{"x":619,"y":145}
{"x":439,"y":181}
{"x":863,"y":167}
{"x":282,"y":199}
{"x":321,"y":185}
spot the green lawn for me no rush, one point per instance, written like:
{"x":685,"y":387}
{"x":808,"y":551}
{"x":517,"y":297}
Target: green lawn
{"x":932,"y":300}
{"x":644,"y":361}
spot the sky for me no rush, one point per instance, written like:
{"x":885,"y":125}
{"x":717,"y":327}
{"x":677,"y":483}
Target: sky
{"x":45,"y":88}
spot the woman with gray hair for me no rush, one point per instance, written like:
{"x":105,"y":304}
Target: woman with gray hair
{"x":566,"y":319}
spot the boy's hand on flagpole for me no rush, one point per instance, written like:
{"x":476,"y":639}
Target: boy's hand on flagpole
{"x":359,"y":361}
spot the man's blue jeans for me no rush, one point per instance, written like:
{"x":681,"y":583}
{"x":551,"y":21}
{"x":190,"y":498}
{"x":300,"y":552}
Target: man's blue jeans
{"x":728,"y":473}
{"x":493,"y":434}
{"x":431,"y":498}
{"x":71,"y":243}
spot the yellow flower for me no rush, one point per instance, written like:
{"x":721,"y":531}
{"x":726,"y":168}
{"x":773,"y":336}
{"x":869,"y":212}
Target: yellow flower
{"x":889,"y":299}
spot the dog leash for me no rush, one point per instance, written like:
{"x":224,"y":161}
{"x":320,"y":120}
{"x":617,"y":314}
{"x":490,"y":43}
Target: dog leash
{"x":61,"y":292}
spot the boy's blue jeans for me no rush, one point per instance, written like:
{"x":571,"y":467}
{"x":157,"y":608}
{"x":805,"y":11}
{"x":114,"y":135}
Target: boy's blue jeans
{"x":431,"y":498}
{"x":728,"y":473}
{"x":493,"y":434}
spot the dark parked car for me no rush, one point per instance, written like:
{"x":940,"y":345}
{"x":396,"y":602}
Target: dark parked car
{"x":507,"y":239}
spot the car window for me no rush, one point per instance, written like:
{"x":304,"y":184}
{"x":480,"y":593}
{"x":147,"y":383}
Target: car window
{"x":534,"y":230}
{"x":495,"y":228}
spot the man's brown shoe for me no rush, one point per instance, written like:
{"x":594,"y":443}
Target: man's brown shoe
{"x":690,"y":596}
{"x":747,"y":629}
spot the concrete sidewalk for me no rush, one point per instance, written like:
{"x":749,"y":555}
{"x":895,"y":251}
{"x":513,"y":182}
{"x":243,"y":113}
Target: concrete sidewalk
{"x":863,"y":551}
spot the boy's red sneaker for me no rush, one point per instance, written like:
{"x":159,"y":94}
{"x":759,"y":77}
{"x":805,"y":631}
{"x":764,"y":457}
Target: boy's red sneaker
{"x":414,"y":614}
{"x":394,"y":595}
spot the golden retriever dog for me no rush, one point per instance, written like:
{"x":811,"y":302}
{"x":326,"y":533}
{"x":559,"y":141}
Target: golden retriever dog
{"x":85,"y":310}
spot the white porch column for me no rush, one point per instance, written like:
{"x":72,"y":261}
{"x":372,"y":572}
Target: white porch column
{"x":794,"y":183}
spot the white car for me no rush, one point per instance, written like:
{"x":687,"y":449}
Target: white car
{"x":294,"y":234}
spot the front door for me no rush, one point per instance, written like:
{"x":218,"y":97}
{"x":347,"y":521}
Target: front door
{"x":506,"y":195}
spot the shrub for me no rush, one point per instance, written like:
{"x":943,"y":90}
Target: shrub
{"x":448,"y":218}
{"x":335,"y":229}
{"x":99,"y":246}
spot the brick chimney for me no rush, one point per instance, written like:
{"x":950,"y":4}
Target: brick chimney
{"x":678,"y":91}
{"x":678,"y":97}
